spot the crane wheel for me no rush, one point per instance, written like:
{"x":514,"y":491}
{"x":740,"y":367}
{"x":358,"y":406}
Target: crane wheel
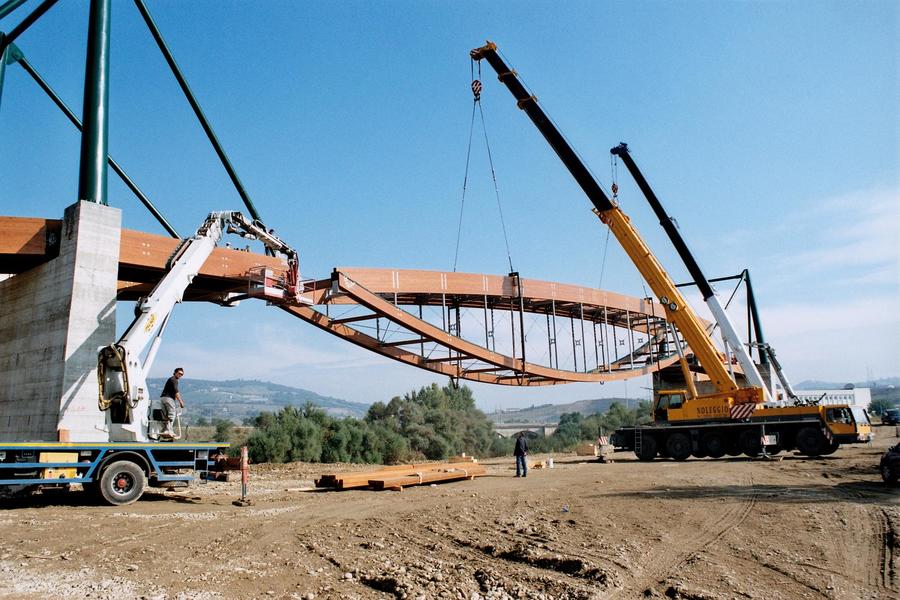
{"x":714,"y":444}
{"x":749,"y":443}
{"x":830,"y":449}
{"x":811,"y":442}
{"x":122,"y":482}
{"x":678,"y":445}
{"x":649,"y":448}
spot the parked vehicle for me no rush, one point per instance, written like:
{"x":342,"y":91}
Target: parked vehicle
{"x":890,"y":465}
{"x":891,"y":417}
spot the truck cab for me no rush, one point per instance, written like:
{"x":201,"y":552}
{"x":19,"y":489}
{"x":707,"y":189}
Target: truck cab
{"x":666,"y":400}
{"x":848,"y":424}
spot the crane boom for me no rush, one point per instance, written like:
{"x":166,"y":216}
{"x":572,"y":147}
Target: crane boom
{"x":676,"y":307}
{"x":121,"y":370}
{"x":729,"y":332}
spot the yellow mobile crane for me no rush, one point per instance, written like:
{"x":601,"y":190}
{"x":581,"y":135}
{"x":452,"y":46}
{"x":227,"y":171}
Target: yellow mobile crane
{"x":731,"y":419}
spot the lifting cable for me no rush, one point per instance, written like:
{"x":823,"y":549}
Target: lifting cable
{"x":614,"y":175}
{"x":476,"y":92}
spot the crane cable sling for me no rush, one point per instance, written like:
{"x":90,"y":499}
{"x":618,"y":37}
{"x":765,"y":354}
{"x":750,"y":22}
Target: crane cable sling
{"x":462,"y":205}
{"x":476,"y":91}
{"x":614,"y":175}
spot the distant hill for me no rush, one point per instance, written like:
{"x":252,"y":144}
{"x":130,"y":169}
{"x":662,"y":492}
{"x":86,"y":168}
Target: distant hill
{"x":239,"y":399}
{"x":550,"y":413}
{"x":830,"y":385}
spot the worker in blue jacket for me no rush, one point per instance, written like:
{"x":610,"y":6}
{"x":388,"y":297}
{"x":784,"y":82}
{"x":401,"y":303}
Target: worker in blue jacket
{"x":521,"y":452}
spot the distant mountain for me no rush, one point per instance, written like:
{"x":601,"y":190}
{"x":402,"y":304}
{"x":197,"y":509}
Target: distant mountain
{"x":550,"y":413}
{"x":830,"y":385}
{"x":239,"y":399}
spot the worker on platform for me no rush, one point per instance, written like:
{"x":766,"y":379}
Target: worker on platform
{"x":171,"y":395}
{"x":521,"y":452}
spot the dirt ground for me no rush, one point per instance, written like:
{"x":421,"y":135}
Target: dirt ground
{"x":738,"y":528}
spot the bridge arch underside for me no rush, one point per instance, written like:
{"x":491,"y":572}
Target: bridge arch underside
{"x":492,"y":329}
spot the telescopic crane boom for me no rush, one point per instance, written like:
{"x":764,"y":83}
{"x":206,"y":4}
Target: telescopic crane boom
{"x":676,"y":307}
{"x":729,"y":332}
{"x":123,"y":366}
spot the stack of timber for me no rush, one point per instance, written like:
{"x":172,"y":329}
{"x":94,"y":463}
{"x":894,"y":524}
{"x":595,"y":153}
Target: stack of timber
{"x":401,"y":476}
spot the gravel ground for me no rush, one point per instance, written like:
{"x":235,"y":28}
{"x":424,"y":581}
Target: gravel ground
{"x":702,"y":529}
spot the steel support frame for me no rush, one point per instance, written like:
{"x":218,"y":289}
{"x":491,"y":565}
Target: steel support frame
{"x":42,"y":83}
{"x":201,"y":117}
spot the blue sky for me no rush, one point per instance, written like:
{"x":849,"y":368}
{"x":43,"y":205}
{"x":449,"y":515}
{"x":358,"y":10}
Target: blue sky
{"x":770,"y":130}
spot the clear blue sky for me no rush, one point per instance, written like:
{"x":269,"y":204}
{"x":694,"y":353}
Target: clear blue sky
{"x":769,"y":129}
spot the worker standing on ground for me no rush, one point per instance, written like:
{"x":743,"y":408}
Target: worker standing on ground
{"x":170,"y":395}
{"x":521,"y":452}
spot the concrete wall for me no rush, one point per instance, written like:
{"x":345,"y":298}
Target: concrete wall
{"x":52,"y":320}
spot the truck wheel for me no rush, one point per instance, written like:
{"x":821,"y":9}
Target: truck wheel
{"x":889,"y":475}
{"x":648,"y":448}
{"x":679,"y":446}
{"x":749,"y":442}
{"x":122,"y":482}
{"x":831,"y":448}
{"x":714,"y":444}
{"x":810,"y":441}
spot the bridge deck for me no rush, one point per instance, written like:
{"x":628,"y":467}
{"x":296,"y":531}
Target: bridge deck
{"x":488,"y":328}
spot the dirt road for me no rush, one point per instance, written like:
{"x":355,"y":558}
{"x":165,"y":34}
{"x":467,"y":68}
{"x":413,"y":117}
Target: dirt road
{"x":739,"y":528}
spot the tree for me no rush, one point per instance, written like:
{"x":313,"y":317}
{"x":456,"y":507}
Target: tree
{"x":224,"y":428}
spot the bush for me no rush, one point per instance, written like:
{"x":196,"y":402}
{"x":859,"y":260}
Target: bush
{"x":431,"y":423}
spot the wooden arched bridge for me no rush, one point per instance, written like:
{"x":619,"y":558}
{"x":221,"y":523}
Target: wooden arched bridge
{"x":489,"y":328}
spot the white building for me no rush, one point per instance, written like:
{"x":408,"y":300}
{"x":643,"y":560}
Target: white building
{"x":860,"y":397}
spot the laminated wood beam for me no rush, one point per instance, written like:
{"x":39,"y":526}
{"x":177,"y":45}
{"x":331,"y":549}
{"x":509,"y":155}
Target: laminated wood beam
{"x":28,"y":242}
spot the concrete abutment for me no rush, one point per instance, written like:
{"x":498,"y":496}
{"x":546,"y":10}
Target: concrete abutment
{"x":53,"y":318}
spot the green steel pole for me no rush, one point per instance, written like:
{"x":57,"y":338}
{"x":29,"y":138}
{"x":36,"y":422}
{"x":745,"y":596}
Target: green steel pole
{"x":9,"y":6}
{"x":154,"y":31}
{"x":23,"y":62}
{"x":95,"y":115}
{"x":26,"y":22}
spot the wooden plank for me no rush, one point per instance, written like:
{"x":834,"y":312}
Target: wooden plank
{"x":359,"y":479}
{"x":26,"y":236}
{"x":149,"y":251}
{"x":411,"y":281}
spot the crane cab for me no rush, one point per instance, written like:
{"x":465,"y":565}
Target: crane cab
{"x":848,"y":423}
{"x":676,"y":405}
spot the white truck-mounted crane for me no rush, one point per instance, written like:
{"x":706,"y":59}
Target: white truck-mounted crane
{"x":117,"y":469}
{"x":122,"y":367}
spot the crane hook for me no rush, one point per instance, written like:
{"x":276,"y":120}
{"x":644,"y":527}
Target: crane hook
{"x":476,"y":89}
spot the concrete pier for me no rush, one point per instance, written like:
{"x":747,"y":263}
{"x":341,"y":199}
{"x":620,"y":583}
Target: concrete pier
{"x":53,"y":318}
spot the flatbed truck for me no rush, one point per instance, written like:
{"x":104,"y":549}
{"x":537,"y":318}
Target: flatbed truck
{"x":114,"y":472}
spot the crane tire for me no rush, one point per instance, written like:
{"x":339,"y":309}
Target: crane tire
{"x":714,"y":444}
{"x":830,"y":448}
{"x":678,"y":446}
{"x":810,"y":441}
{"x":122,"y":482}
{"x":649,"y":448}
{"x":749,"y":443}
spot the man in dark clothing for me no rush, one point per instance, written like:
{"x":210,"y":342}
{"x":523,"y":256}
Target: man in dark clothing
{"x":521,"y":452}
{"x":170,"y":395}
